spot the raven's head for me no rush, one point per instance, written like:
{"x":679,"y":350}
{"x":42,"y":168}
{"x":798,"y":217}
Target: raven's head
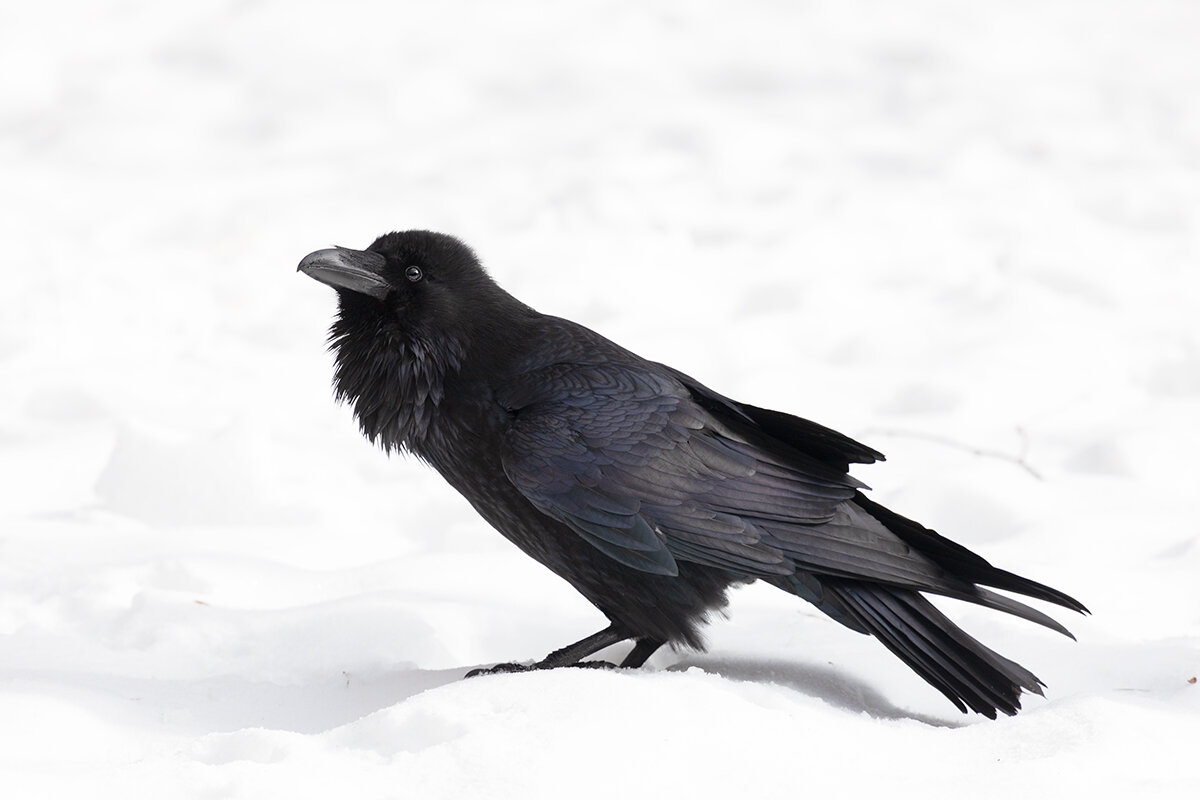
{"x":418,"y":284}
{"x":410,"y":308}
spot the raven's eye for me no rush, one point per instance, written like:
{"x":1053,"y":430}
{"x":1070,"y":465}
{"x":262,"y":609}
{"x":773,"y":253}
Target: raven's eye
{"x":414,"y":274}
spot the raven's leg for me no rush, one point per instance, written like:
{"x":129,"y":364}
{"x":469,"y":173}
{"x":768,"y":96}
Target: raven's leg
{"x":572,"y":653}
{"x":569,"y":655}
{"x":642,"y":649}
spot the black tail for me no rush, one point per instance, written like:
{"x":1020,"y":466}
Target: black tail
{"x":969,"y":674}
{"x":961,"y":562}
{"x":972,"y":676}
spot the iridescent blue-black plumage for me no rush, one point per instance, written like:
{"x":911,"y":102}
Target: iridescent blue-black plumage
{"x":646,"y":491}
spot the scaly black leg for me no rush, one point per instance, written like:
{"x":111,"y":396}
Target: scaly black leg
{"x":570,"y":655}
{"x":573,"y":653}
{"x":642,"y":649}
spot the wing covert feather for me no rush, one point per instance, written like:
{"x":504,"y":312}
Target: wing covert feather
{"x":625,"y":457}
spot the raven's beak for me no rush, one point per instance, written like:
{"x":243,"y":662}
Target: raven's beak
{"x":342,"y":268}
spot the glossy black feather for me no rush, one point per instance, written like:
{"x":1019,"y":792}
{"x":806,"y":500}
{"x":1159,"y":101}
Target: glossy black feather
{"x":645,"y":490}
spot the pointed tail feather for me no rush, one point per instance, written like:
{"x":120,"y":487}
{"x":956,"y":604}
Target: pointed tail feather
{"x":969,"y":674}
{"x":961,"y":562}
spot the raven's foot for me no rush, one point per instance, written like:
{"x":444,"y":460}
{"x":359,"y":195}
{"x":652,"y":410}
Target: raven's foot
{"x":501,"y":669}
{"x":593,"y":665}
{"x":573,"y":654}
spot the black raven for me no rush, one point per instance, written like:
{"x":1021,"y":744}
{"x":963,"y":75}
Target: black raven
{"x":645,"y":490}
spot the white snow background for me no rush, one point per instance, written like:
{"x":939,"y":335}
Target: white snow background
{"x":965,"y":234}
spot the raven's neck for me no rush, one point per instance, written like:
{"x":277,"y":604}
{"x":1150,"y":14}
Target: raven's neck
{"x":394,"y":384}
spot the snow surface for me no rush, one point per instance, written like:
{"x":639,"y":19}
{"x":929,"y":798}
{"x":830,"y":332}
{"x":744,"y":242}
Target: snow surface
{"x":967,"y":234}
